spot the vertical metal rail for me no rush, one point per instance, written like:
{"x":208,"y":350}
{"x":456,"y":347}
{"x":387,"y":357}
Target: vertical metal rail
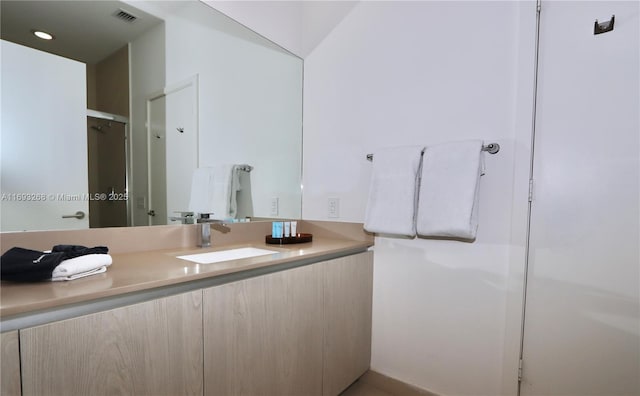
{"x":531,"y":163}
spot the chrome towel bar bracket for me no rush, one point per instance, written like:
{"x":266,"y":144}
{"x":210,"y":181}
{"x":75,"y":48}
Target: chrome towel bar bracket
{"x":491,"y":148}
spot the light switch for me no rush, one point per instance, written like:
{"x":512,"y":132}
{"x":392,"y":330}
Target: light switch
{"x":333,"y":207}
{"x":275,"y":206}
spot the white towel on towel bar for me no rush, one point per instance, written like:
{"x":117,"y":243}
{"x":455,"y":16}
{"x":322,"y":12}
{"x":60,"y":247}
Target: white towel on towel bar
{"x":391,"y":206}
{"x":448,"y":199}
{"x":214,"y":190}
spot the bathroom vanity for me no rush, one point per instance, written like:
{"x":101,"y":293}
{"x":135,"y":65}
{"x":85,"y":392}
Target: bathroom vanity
{"x":295,"y":322}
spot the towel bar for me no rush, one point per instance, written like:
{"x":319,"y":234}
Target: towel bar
{"x":491,"y":148}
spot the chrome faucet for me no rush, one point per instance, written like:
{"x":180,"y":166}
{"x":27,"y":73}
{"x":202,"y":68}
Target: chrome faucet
{"x":205,"y":223}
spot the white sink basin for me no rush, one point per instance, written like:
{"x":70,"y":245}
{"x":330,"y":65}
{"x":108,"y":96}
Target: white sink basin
{"x":226,"y":255}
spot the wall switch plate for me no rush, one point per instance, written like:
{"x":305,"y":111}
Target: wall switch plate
{"x":333,"y":208}
{"x":140,"y":203}
{"x":275,"y":206}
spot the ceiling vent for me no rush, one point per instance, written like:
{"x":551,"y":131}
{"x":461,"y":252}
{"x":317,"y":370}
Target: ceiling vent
{"x":125,"y":16}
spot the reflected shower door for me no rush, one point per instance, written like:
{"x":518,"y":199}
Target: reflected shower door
{"x":106,"y":147}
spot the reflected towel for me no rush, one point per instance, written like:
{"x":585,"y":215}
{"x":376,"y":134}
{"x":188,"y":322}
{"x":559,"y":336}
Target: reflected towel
{"x":82,"y":264}
{"x":214,"y":189}
{"x":391,"y":205}
{"x":448,"y":199}
{"x":234,"y":188}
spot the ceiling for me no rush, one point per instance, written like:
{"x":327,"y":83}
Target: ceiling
{"x":299,"y":26}
{"x":87,"y":31}
{"x":84,"y":30}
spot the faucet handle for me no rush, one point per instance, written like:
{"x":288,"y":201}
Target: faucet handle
{"x":206,"y":218}
{"x":184,"y":218}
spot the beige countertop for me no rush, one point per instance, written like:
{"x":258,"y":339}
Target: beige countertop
{"x":139,"y":271}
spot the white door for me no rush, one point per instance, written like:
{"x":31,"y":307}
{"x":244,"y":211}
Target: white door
{"x":44,"y":114}
{"x":173,"y":151}
{"x":582,"y":322}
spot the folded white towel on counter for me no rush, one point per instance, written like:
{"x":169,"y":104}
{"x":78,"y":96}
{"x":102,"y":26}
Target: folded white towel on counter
{"x":80,"y":275}
{"x":213,"y":190}
{"x":391,"y":205}
{"x":448,"y":200}
{"x":81,"y":265}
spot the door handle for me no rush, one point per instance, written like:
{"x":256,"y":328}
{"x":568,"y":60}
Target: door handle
{"x":79,"y":215}
{"x":151,"y":213}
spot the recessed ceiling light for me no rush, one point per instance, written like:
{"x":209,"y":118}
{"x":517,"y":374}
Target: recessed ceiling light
{"x":43,"y":35}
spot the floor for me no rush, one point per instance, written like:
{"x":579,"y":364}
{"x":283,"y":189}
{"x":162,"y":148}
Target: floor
{"x":364,"y":389}
{"x":376,"y":384}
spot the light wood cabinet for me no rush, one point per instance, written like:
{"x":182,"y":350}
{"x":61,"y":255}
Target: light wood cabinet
{"x":151,"y":348}
{"x":10,"y":362}
{"x":263,"y":335}
{"x":348,"y":288}
{"x":303,"y":331}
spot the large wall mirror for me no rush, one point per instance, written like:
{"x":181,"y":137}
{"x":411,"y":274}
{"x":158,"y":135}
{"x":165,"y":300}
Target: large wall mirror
{"x":110,"y":123}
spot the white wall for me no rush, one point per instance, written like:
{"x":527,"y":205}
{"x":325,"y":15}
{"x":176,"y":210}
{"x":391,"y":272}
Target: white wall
{"x":396,"y":73}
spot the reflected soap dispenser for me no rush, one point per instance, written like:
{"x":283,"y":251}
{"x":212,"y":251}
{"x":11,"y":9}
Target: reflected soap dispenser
{"x":276,"y":229}
{"x":287,"y":229}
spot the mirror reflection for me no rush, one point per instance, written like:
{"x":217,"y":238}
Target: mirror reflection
{"x":107,"y":124}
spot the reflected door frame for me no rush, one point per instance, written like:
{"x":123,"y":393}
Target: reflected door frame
{"x":158,"y":210}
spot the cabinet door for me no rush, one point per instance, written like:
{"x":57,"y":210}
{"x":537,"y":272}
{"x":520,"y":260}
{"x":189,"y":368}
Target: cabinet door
{"x":263,"y":335}
{"x":151,"y":348}
{"x":348,"y":288}
{"x":10,"y":361}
